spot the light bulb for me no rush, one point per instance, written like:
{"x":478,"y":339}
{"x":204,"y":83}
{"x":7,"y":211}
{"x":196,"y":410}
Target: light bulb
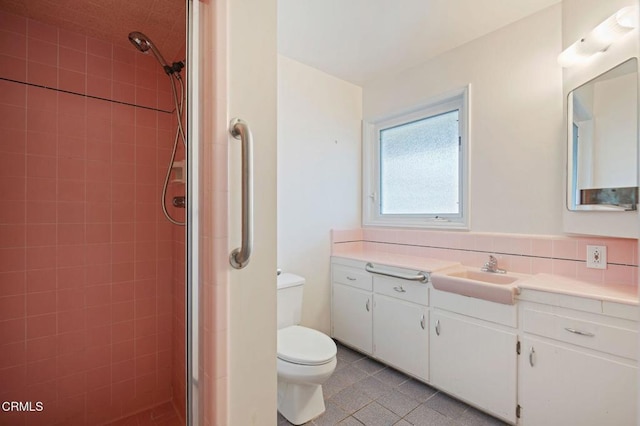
{"x":628,"y":17}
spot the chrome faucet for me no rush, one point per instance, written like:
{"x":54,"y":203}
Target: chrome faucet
{"x":492,"y":266}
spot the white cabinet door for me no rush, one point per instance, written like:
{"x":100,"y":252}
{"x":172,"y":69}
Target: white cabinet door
{"x":352,"y":317}
{"x":475,"y":362}
{"x":401,"y":335}
{"x":560,"y":386}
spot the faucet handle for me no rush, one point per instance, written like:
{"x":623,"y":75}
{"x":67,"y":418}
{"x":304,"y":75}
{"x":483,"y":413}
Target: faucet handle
{"x":492,"y":266}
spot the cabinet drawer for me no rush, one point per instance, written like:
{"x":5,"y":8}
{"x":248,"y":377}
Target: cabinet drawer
{"x":402,"y":289}
{"x":598,"y":336}
{"x":353,"y":277}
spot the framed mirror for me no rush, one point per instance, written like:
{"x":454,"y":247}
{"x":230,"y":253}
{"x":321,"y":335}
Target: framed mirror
{"x":603,"y":142}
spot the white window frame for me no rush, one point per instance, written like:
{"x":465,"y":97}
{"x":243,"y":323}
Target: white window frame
{"x":371,"y":215}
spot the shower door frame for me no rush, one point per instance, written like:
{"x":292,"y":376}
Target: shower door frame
{"x":230,"y":312}
{"x":194,"y":409}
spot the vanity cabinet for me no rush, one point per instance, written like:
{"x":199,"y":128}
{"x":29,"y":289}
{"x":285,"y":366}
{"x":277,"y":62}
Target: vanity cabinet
{"x":400,"y":325}
{"x":562,"y":385}
{"x":578,"y":362}
{"x":551,"y":359}
{"x":384,"y":317}
{"x":471,"y":357}
{"x":352,"y":308}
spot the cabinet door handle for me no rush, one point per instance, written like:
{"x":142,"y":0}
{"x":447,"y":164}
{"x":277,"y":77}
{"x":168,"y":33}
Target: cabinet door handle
{"x":367,"y":305}
{"x":532,"y":353}
{"x":422,"y":324}
{"x":438,"y":327}
{"x":400,"y":289}
{"x":580,"y":332}
{"x":350,"y":278}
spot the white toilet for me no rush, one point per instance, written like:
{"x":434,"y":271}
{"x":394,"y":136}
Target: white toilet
{"x":306,"y":357}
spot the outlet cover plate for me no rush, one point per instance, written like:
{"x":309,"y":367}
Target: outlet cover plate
{"x":597,"y":257}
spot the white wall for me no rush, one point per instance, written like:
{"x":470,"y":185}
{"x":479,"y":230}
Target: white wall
{"x":319,"y":122}
{"x":516,"y":135}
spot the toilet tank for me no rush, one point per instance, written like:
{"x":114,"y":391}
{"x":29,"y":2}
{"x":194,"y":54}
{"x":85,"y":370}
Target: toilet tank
{"x":290,"y":289}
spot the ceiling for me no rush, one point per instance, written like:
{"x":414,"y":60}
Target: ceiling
{"x":358,"y":40}
{"x":112,"y":20}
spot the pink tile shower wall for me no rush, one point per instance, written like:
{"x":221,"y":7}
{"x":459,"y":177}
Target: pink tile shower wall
{"x":178,"y":360}
{"x":528,"y":254}
{"x":86,"y":294}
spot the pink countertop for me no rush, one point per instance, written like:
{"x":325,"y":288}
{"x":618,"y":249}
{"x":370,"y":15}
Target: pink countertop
{"x":626,"y":294}
{"x":620,"y":293}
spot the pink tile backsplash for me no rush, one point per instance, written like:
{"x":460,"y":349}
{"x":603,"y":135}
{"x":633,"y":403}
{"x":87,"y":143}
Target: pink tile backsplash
{"x":528,"y":254}
{"x":86,"y":258}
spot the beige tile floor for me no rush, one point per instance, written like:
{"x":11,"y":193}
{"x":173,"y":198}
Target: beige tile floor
{"x":363,"y":391}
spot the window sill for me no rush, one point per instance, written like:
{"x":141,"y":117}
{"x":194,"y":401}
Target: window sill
{"x":417,"y":223}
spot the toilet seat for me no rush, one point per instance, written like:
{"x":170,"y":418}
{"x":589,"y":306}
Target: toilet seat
{"x":305,"y":346}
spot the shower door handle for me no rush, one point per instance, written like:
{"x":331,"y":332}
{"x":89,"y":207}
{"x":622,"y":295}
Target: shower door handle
{"x":239,"y":129}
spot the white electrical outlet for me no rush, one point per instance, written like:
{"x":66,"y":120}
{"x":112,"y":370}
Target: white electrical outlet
{"x":597,"y":257}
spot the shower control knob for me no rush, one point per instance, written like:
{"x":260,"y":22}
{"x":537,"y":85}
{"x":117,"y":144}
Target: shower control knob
{"x":180,"y":202}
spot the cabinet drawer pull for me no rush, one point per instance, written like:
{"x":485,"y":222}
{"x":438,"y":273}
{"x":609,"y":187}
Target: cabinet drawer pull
{"x":400,"y":289}
{"x":350,"y":278}
{"x":438,"y":327}
{"x":367,"y":306}
{"x":581,"y":333}
{"x":422,"y":323}
{"x":532,"y":352}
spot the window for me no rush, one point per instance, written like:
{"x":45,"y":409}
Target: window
{"x":415,"y":167}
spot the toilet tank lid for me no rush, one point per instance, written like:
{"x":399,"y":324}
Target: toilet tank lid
{"x":289,"y":280}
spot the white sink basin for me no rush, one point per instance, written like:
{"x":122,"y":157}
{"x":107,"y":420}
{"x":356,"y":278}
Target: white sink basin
{"x":473,"y":282}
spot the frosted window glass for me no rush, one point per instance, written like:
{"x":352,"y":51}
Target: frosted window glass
{"x":419,"y":167}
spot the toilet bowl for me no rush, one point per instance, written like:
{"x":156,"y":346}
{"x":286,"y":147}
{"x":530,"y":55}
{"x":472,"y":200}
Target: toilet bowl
{"x":306,"y":357}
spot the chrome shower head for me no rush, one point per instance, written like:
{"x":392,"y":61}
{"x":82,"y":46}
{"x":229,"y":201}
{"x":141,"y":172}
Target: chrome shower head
{"x":140,"y":41}
{"x":144,"y":44}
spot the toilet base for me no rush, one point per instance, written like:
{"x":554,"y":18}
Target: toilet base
{"x":300,"y":403}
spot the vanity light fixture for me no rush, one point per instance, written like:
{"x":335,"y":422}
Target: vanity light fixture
{"x":601,"y":37}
